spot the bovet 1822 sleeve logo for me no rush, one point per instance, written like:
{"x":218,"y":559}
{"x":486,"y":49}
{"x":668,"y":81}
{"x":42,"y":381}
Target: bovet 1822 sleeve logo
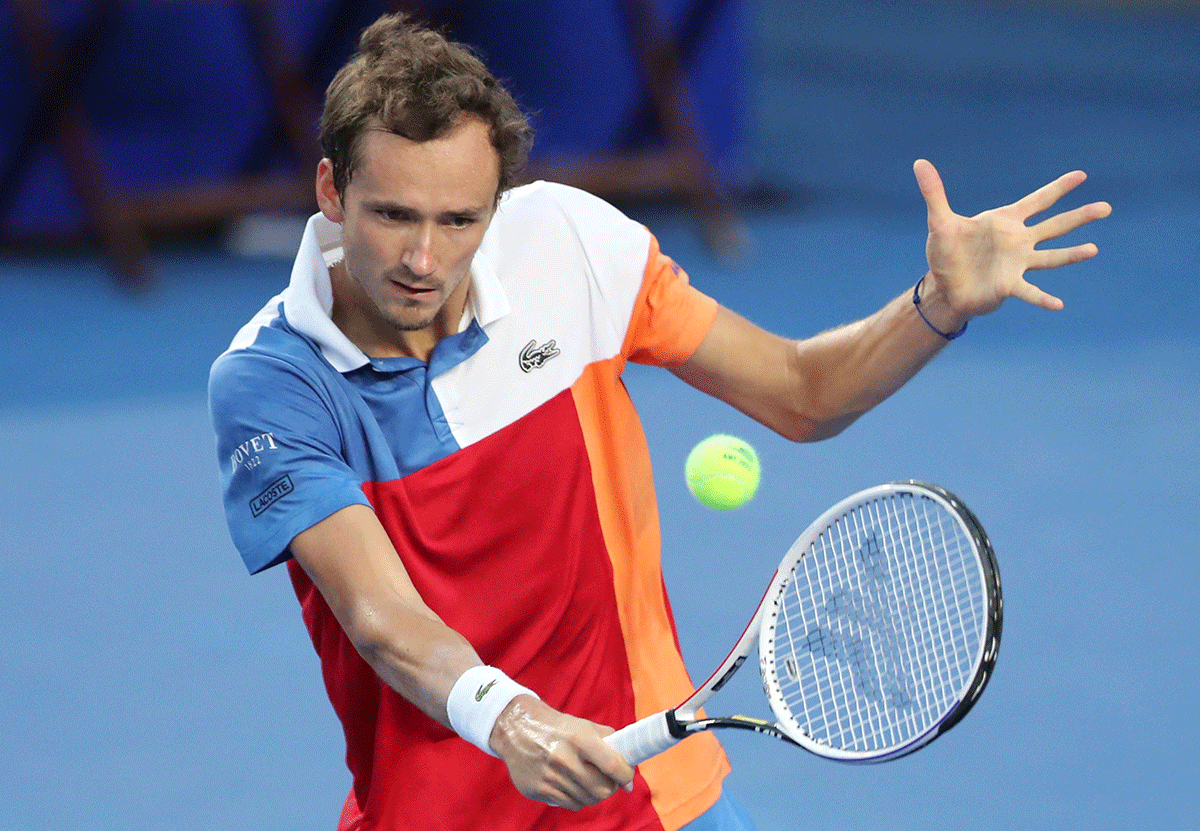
{"x":248,"y":454}
{"x":275,"y":491}
{"x":533,"y":356}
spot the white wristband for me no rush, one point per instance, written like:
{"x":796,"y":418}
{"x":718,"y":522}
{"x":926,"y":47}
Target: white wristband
{"x":476,"y":700}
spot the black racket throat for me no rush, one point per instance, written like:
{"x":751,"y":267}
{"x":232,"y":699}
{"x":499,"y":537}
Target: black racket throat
{"x":681,"y":729}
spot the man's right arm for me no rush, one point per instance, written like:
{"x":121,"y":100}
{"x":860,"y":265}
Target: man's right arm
{"x":551,"y":757}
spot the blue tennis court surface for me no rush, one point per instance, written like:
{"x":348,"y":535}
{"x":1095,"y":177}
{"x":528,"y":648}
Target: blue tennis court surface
{"x":149,"y":683}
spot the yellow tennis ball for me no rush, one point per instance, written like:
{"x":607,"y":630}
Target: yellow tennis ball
{"x":722,"y":472}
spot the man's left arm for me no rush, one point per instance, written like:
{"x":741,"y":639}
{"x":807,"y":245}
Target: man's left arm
{"x":814,"y":388}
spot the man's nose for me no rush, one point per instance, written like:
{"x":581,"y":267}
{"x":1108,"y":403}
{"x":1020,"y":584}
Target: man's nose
{"x":418,"y":254}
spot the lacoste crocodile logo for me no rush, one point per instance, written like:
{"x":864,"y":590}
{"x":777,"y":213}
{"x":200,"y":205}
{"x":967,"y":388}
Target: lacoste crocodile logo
{"x":533,"y":356}
{"x":482,"y":691}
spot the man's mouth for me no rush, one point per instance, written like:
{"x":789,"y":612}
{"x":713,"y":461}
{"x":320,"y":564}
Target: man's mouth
{"x":414,"y":289}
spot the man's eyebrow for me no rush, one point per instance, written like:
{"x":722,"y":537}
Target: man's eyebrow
{"x":388,"y":205}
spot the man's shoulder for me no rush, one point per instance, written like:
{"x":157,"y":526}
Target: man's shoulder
{"x":548,"y":220}
{"x":537,"y":198}
{"x":267,"y":344}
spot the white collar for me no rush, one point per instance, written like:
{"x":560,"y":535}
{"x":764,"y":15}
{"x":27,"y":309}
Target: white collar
{"x":308,"y":299}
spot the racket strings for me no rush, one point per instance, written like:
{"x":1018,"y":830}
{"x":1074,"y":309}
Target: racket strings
{"x":885,"y":613}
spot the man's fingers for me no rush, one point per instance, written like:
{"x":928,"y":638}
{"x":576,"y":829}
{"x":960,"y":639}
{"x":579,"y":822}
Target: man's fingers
{"x":1034,"y":296}
{"x":932,"y":189}
{"x":580,"y":791}
{"x":1060,"y":224}
{"x":605,"y":769}
{"x":608,"y":761}
{"x":1058,"y":257}
{"x":566,"y":791}
{"x":616,"y":769}
{"x":1045,"y":196}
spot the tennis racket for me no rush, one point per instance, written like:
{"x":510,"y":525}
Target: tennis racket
{"x":877,"y":634}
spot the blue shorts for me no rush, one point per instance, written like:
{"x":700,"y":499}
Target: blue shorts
{"x":726,"y":814}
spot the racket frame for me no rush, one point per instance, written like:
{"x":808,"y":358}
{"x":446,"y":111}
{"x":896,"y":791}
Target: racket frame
{"x":657,"y":732}
{"x":986,"y":653}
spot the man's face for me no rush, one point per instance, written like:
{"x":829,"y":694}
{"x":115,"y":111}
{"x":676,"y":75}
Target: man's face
{"x":412,"y":217}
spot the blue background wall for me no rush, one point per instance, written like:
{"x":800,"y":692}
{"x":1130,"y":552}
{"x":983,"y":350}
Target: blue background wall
{"x":177,"y":92}
{"x":150,"y":683}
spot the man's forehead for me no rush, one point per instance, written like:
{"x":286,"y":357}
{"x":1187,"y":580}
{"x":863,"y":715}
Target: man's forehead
{"x":461,"y":163}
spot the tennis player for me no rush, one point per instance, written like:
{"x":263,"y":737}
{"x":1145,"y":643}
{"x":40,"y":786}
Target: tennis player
{"x":428,"y":427}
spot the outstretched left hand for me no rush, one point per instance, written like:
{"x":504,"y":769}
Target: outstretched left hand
{"x":978,"y":262}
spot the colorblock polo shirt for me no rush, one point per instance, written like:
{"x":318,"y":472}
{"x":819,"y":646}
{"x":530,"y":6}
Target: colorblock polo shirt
{"x":514,"y":480}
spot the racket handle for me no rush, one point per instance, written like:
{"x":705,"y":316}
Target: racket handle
{"x":644,"y":738}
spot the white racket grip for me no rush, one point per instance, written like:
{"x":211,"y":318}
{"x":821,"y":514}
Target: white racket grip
{"x":644,"y":738}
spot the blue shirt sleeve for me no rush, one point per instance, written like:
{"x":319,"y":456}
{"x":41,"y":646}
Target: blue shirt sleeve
{"x":280,"y":451}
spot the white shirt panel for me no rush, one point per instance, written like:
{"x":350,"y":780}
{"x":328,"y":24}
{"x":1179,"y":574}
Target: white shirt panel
{"x":571,"y":267}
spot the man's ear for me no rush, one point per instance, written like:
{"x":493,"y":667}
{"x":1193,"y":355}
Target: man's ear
{"x":327,"y":196}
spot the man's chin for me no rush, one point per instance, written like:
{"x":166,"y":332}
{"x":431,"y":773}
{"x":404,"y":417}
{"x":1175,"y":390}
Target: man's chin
{"x":411,"y":323}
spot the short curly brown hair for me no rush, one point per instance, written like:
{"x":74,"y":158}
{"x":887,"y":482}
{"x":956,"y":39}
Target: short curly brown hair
{"x":412,"y":81}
